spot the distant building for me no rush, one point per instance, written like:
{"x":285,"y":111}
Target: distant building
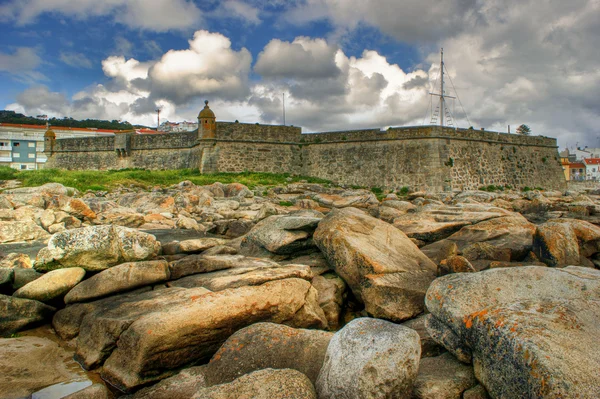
{"x":564,"y":161}
{"x":592,"y":168}
{"x":22,"y":146}
{"x":577,"y":171}
{"x":177,"y":127}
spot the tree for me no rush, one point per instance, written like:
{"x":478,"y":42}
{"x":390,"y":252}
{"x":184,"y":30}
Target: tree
{"x":524,"y":130}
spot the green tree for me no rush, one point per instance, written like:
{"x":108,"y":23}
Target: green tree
{"x":524,"y":130}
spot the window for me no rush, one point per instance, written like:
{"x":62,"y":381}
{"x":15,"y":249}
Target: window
{"x":30,"y":155}
{"x":16,"y":144}
{"x":31,"y":145}
{"x":16,"y":155}
{"x":23,"y":166}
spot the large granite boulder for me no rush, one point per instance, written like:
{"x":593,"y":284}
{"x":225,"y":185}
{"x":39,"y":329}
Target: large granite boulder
{"x":21,"y":230}
{"x":530,"y":331}
{"x":146,"y":339}
{"x":51,"y":285}
{"x":124,"y":277}
{"x":182,"y":385}
{"x":513,"y":233}
{"x":96,"y":248}
{"x":16,"y":314}
{"x":370,"y":358}
{"x":332,"y":294}
{"x":443,"y":377}
{"x":263,"y":384}
{"x":382,"y":266}
{"x":281,"y":234}
{"x":196,"y":264}
{"x":556,"y":244}
{"x":268,"y":345}
{"x":29,"y":364}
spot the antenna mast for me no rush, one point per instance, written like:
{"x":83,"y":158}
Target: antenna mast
{"x":443,"y":108}
{"x":283,"y":96}
{"x":158,"y":120}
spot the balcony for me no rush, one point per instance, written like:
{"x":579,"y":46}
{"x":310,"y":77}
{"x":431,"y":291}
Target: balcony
{"x":5,"y":159}
{"x":6,"y":148}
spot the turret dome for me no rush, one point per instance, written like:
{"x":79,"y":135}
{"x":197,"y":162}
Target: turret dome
{"x":206,"y":112}
{"x":50,"y":134}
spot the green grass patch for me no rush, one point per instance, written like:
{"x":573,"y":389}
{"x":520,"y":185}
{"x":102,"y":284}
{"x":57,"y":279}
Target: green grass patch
{"x":286,"y":203}
{"x":404,"y":191}
{"x":108,"y":180}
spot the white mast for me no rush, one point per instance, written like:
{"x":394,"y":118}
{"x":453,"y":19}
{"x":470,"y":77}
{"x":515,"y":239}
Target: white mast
{"x":442,"y":95}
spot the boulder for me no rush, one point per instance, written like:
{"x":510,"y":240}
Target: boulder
{"x":23,"y":277}
{"x":187,"y":223}
{"x":51,"y":285}
{"x":354,"y":198}
{"x":124,"y":277}
{"x":180,"y":386}
{"x":195,"y":264}
{"x":477,"y":392}
{"x":455,"y":264}
{"x":268,"y":345}
{"x":429,"y":346}
{"x":16,"y":314}
{"x":263,"y":384}
{"x":16,"y":260}
{"x":6,"y":276}
{"x":21,"y":230}
{"x":531,"y":331}
{"x":200,"y":244}
{"x":332,"y":294}
{"x":370,"y":358}
{"x":96,"y":248}
{"x":120,"y":216}
{"x":384,"y":269}
{"x":29,"y":364}
{"x":443,"y":377}
{"x":156,"y":343}
{"x":94,"y":391}
{"x":280,"y":234}
{"x":556,"y":244}
{"x":513,"y":233}
{"x":237,"y":190}
{"x":243,"y":276}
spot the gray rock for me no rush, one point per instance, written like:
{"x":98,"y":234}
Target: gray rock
{"x":243,"y":276}
{"x":123,"y":277}
{"x":532,"y":330}
{"x":280,"y":234}
{"x":443,"y":377}
{"x":22,"y":230}
{"x":200,"y":244}
{"x":23,"y":277}
{"x":16,"y":314}
{"x":194,"y":264}
{"x":6,"y":276}
{"x":370,"y":358}
{"x":477,"y":392}
{"x":180,"y":386}
{"x":16,"y":260}
{"x":96,"y":248}
{"x":268,"y":345}
{"x":95,"y":391}
{"x":332,"y":293}
{"x":156,"y":343}
{"x":429,"y":346}
{"x":556,"y":245}
{"x":263,"y":384}
{"x":384,"y":269}
{"x":51,"y":285}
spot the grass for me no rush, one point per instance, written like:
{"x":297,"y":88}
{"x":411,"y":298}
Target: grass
{"x":108,"y":180}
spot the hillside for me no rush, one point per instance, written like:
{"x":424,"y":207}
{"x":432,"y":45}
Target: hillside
{"x":14,"y":117}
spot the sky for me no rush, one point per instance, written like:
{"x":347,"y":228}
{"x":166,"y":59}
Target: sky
{"x":339,"y":64}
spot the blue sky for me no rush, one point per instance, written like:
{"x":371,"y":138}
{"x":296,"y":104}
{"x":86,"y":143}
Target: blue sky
{"x":341,"y":64}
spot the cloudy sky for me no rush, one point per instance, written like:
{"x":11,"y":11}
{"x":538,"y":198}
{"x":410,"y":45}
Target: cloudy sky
{"x":342,"y":64}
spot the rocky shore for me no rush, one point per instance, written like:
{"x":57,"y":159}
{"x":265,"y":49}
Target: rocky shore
{"x":298,"y":291}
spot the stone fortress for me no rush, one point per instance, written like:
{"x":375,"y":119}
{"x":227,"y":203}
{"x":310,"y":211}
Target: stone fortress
{"x":431,"y":158}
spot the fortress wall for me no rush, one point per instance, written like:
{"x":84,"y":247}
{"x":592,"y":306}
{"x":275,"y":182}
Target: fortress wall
{"x":157,"y":141}
{"x":105,"y":143}
{"x":392,"y":164}
{"x":257,"y":132}
{"x":257,"y":157}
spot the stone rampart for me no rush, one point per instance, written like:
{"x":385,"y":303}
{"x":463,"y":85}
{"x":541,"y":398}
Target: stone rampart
{"x":421,"y":157}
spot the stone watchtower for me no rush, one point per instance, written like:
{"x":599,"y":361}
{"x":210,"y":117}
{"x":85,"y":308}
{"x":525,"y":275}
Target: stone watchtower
{"x":49,"y":140}
{"x":207,"y":125}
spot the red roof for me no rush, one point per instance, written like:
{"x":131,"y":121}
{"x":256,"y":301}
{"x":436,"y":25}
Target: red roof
{"x":592,"y":161}
{"x":43,"y":127}
{"x":577,"y":165}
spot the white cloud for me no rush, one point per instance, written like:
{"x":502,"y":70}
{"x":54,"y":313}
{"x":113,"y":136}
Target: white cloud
{"x":154,"y":15}
{"x":238,"y":10}
{"x":22,"y":64}
{"x":76,"y":60}
{"x":302,"y":58}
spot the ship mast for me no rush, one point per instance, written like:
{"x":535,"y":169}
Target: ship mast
{"x":442,"y":107}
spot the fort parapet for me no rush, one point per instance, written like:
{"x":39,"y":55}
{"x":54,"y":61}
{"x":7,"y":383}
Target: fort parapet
{"x":431,"y":158}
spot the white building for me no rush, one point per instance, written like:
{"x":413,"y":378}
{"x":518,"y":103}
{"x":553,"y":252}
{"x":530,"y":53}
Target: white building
{"x":178,"y":127}
{"x":592,"y":168}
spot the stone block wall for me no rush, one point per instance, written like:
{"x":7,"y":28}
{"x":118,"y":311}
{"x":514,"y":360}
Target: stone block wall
{"x":421,"y":158}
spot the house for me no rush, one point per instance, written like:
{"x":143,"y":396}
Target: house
{"x":592,"y":168}
{"x":564,"y":161}
{"x":577,"y":171}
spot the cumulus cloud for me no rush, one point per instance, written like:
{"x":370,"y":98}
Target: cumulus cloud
{"x":22,"y":64}
{"x":238,"y":10}
{"x":76,"y":60}
{"x":302,"y":58}
{"x":155,"y":15}
{"x":210,"y":67}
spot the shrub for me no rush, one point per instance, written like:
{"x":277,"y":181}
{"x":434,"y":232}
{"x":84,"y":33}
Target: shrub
{"x":286,"y":203}
{"x":7,"y":173}
{"x":404,"y":190}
